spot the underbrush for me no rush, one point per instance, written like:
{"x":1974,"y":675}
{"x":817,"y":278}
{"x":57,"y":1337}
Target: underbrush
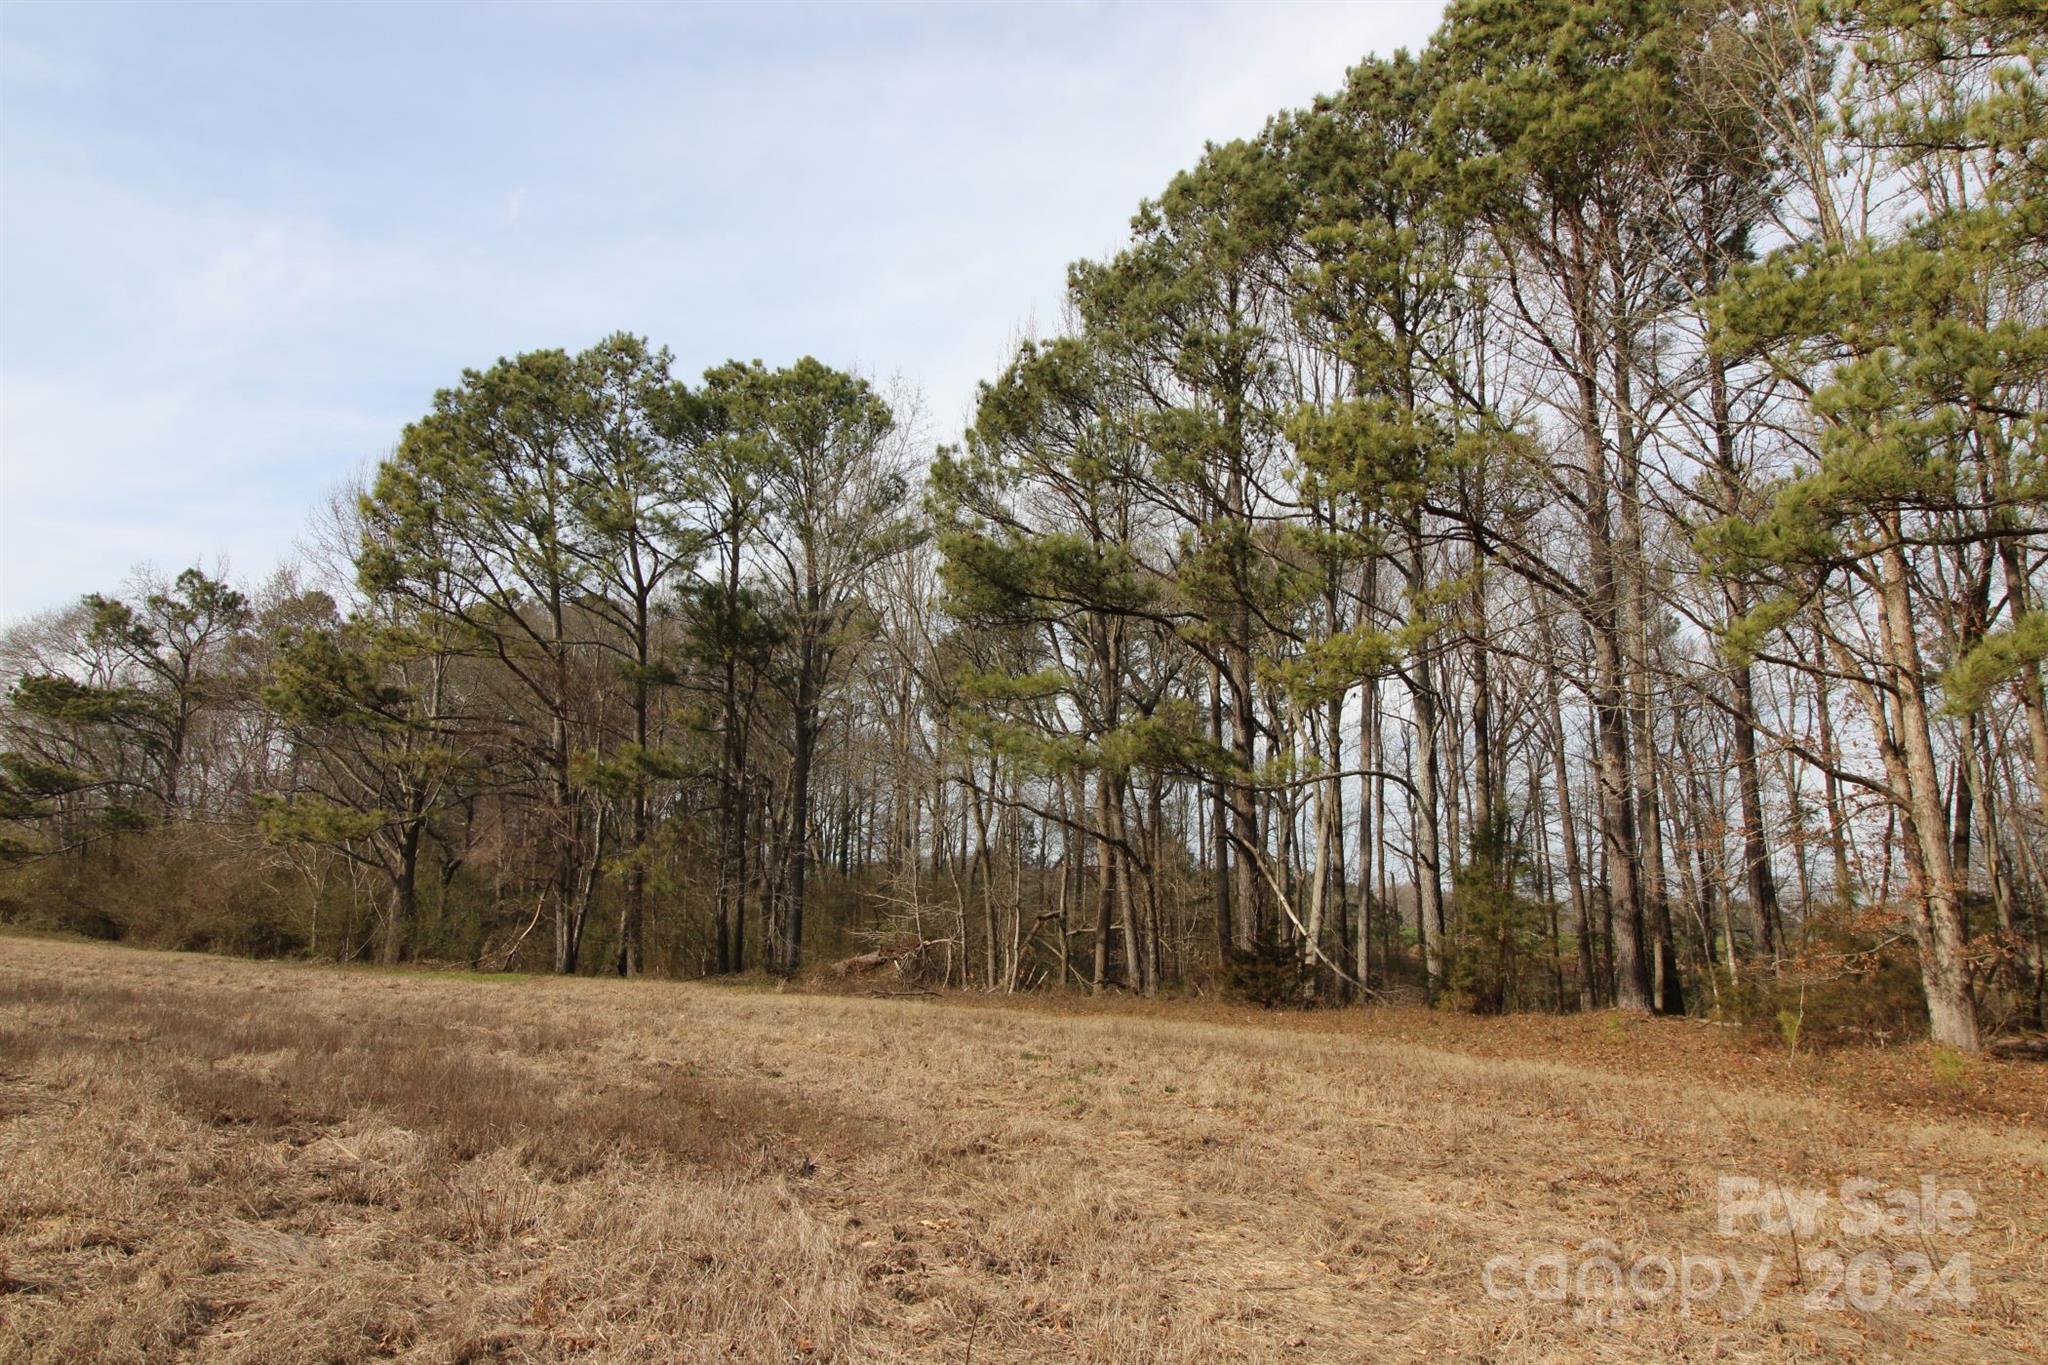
{"x":192,"y":889}
{"x":1840,"y":988}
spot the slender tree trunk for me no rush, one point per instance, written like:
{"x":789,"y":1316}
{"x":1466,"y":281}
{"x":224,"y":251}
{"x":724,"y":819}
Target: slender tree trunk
{"x":1944,"y":968}
{"x":1105,"y":891}
{"x":1575,"y":876}
{"x":1219,"y":834}
{"x":1758,"y":877}
{"x":1429,"y":891}
{"x":791,"y":930}
{"x":1610,"y":709}
{"x":1368,"y":758}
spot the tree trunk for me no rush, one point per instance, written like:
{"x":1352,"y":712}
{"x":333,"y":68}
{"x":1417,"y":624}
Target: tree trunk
{"x":1944,"y":969}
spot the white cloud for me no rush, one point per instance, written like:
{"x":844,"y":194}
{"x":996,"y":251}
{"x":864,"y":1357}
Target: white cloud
{"x":210,"y":315}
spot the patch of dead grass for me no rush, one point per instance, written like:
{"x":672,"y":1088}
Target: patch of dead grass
{"x":220,"y":1160}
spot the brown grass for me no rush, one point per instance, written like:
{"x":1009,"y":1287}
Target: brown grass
{"x":238,"y":1161}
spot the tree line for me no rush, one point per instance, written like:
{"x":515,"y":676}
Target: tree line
{"x":1557,"y":523}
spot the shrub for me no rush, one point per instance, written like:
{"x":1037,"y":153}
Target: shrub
{"x":189,"y":888}
{"x":1265,"y":975}
{"x":1839,"y":987}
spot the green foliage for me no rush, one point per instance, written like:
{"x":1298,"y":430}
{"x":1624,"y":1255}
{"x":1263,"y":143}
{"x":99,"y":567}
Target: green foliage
{"x":28,"y":786}
{"x":102,"y":749}
{"x":815,"y":434}
{"x":327,"y":675}
{"x":1329,"y":667}
{"x":620,"y":770}
{"x":1555,"y":102}
{"x":67,"y":702}
{"x":1995,"y":660}
{"x":1497,"y":932}
{"x":1921,"y":370}
{"x":1497,"y":928}
{"x":1747,"y":634}
{"x":311,"y":819}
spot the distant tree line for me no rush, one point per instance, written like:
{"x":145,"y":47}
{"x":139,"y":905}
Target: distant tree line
{"x":1558,"y":523}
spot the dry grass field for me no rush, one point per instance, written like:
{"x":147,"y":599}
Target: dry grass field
{"x":229,"y":1160}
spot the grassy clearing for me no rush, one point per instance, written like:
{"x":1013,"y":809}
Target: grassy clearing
{"x":240,"y":1161}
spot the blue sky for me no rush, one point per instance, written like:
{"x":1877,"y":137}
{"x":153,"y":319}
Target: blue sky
{"x":240,"y":246}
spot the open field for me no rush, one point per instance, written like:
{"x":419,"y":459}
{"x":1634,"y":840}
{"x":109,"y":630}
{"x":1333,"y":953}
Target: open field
{"x":241,"y":1161}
